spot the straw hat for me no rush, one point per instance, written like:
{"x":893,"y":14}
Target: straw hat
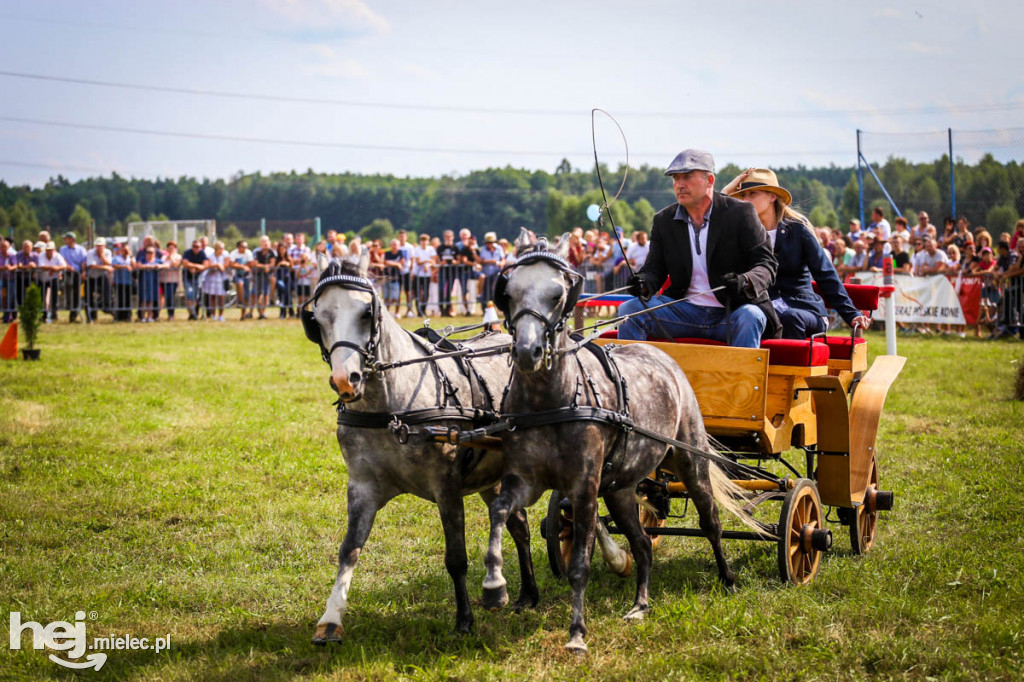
{"x":764,"y":180}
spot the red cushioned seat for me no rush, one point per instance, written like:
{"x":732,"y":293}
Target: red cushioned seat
{"x":840,"y":348}
{"x":863,"y":296}
{"x":610,"y":334}
{"x":796,"y":353}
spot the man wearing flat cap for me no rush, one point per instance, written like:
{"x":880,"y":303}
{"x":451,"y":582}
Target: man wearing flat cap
{"x":705,"y":241}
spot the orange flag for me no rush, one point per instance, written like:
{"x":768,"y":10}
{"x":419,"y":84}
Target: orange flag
{"x":9,"y":346}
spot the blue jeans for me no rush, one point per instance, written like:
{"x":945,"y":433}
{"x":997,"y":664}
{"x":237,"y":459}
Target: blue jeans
{"x":685,"y":319}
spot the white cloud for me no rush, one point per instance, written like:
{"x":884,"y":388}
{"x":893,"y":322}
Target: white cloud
{"x":325,"y":14}
{"x":327,"y":62}
{"x":921,"y":48}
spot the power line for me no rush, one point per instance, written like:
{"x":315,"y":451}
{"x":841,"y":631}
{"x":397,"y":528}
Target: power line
{"x":377,"y":147}
{"x":267,"y":97}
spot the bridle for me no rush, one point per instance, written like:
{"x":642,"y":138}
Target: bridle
{"x":369,"y":352}
{"x":552,"y":325}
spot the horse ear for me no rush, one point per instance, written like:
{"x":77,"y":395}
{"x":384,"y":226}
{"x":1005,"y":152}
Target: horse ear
{"x":364,"y":263}
{"x":561,"y":247}
{"x":524,"y":240}
{"x":322,"y":261}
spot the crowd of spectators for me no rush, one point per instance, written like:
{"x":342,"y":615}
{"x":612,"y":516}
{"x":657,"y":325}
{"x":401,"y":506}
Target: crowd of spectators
{"x":146,"y":280}
{"x":444,"y":276}
{"x":922,"y":251}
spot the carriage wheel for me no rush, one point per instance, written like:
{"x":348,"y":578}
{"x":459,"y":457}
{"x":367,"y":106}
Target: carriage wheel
{"x":558,"y":533}
{"x":864,"y":522}
{"x":802,"y":537}
{"x":650,"y":519}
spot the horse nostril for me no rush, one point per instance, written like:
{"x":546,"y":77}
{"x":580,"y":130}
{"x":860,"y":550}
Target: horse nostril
{"x":537,"y":352}
{"x":333,"y":385}
{"x":354,"y":378}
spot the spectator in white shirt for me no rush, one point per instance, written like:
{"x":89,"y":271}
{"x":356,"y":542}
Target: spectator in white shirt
{"x":931,"y":260}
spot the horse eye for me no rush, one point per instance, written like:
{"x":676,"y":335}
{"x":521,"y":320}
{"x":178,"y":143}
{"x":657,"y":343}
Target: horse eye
{"x":367,"y":314}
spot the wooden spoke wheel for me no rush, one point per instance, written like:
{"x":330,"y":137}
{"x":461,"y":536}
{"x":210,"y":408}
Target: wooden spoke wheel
{"x":650,"y":519}
{"x":802,"y":537}
{"x":864,"y":521}
{"x":558,"y":532}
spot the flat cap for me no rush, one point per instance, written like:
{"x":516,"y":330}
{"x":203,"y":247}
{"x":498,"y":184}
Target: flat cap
{"x":691,"y":160}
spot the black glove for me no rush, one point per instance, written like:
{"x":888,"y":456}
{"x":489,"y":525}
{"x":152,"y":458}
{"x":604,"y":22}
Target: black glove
{"x":735,"y":285}
{"x":638,"y":287}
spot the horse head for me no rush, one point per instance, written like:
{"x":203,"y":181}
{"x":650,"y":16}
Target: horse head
{"x":344,"y":318}
{"x":538,"y":294}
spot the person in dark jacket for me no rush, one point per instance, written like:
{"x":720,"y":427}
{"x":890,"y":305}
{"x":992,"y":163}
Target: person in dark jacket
{"x":718,"y":258}
{"x":800,"y":259}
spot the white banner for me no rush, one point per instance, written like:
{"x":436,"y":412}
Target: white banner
{"x":929,"y":299}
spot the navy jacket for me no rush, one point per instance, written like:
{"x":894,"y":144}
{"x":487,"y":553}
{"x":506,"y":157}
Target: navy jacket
{"x":801,"y":258}
{"x":737,"y":242}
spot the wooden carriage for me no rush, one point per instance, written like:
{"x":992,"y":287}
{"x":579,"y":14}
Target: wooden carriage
{"x":817,"y":395}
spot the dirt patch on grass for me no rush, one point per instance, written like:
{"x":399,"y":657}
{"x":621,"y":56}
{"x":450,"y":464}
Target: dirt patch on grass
{"x":25,"y":416}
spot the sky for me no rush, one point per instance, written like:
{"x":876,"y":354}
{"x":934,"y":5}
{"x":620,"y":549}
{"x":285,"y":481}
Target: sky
{"x":429,"y":88}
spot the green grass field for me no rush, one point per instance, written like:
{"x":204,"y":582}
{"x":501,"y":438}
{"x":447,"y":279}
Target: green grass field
{"x":184,"y":479}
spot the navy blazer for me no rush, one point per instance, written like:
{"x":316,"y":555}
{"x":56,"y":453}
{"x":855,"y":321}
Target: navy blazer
{"x":800,"y":258}
{"x":737,"y":243}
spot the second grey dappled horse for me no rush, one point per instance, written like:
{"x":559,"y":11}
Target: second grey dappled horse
{"x":588,"y":459}
{"x":354,"y":330}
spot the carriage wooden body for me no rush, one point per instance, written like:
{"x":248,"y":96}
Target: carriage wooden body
{"x":818,"y":396}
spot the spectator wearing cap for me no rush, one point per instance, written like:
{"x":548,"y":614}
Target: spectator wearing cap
{"x":492,"y":259}
{"x":74,"y":256}
{"x":51,"y":267}
{"x":123,"y":264}
{"x":705,"y":241}
{"x":98,"y":270}
{"x":149,"y":283}
{"x":801,"y":259}
{"x":855,"y":230}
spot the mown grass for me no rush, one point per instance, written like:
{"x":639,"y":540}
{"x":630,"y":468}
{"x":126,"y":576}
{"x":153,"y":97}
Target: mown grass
{"x":184,"y":479}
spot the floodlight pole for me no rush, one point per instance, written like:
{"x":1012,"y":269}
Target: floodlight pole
{"x":952,"y":178}
{"x":860,"y":179}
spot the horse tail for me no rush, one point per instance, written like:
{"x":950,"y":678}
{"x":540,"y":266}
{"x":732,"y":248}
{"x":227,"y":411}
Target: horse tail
{"x":730,"y":496}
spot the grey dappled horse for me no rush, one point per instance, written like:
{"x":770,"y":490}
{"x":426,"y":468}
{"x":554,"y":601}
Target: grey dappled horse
{"x":353,"y":327}
{"x":570,"y":456}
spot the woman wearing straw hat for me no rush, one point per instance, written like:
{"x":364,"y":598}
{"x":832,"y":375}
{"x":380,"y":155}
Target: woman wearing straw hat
{"x":800,"y":257}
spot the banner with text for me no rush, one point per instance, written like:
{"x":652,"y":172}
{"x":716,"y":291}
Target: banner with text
{"x":930,"y":300}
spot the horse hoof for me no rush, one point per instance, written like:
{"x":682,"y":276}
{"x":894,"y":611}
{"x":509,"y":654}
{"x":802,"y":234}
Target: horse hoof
{"x":494,"y":598}
{"x":577,"y":645}
{"x":327,"y":632}
{"x":464,"y":627}
{"x":636,"y":613}
{"x":525,"y":601}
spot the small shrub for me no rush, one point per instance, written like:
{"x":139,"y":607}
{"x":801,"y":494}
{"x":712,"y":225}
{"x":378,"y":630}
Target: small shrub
{"x":30,"y":313}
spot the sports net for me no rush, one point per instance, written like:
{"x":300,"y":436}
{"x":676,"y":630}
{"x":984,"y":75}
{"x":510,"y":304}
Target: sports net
{"x":988,"y":174}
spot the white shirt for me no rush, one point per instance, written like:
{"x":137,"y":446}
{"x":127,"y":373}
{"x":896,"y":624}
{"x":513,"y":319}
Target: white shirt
{"x":419,"y":253}
{"x":699,"y":283}
{"x":922,"y":259}
{"x":44,"y":262}
{"x":882,"y":229}
{"x":93,"y":258}
{"x":636,"y":254}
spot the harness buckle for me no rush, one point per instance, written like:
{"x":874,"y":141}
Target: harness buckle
{"x":400,"y":429}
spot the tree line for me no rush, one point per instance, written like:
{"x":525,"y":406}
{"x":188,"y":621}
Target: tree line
{"x":988,"y":193}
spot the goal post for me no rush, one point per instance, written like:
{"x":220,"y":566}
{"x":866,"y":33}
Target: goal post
{"x":182,"y":232}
